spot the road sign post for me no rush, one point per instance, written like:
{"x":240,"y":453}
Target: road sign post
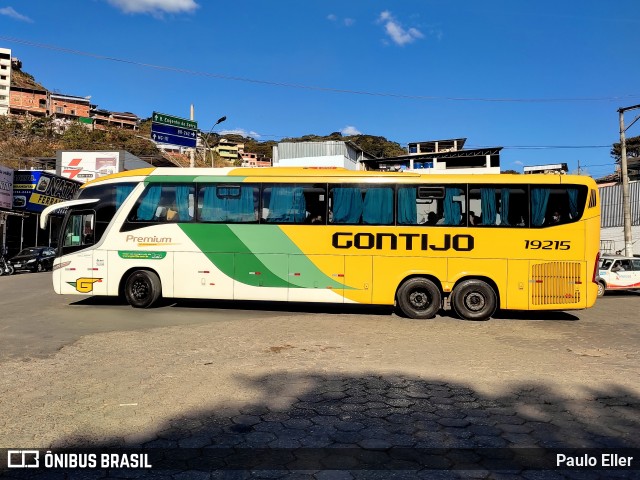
{"x":174,"y":130}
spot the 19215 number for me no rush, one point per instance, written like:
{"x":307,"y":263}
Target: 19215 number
{"x":547,"y":244}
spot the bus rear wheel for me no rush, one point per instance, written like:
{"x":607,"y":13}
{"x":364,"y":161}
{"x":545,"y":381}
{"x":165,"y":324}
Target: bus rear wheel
{"x":143,"y":289}
{"x":474,"y":300}
{"x":419,"y":298}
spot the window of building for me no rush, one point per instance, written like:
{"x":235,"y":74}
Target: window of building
{"x":59,"y":110}
{"x":3,"y":97}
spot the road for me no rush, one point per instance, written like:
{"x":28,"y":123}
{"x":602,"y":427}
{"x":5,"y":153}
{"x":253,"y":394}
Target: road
{"x":35,"y":322}
{"x":95,"y":373}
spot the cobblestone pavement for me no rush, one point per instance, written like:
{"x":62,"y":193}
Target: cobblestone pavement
{"x":337,"y":395}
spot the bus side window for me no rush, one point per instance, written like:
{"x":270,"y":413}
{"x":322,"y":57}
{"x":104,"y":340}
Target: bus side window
{"x":557,"y":205}
{"x":230,"y":203}
{"x":432,"y":205}
{"x":500,"y":205}
{"x":165,"y":203}
{"x":294,"y":203}
{"x":361,"y":204}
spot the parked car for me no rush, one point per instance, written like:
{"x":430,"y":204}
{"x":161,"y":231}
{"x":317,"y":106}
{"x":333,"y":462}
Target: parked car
{"x":617,"y":272}
{"x":34,"y":259}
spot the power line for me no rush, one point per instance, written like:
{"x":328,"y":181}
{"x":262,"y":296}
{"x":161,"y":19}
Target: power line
{"x":310,"y":87}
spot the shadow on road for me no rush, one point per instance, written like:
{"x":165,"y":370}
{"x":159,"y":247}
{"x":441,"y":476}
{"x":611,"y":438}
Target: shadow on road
{"x":367,"y":425}
{"x":330,"y":308}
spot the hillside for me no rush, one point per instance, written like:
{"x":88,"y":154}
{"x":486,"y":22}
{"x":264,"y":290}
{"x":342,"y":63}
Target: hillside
{"x":20,"y":79}
{"x":25,"y":138}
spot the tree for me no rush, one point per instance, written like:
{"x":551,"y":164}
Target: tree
{"x":633,"y":149}
{"x":510,"y":171}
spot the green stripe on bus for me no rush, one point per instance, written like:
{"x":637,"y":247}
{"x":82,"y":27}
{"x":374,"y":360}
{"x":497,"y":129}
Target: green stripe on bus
{"x":253,"y":266}
{"x":276,"y":240}
{"x":193,"y":178}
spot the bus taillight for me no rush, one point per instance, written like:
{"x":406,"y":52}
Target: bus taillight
{"x":595,"y":269}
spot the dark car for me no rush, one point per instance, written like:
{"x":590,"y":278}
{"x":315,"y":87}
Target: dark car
{"x":34,"y":259}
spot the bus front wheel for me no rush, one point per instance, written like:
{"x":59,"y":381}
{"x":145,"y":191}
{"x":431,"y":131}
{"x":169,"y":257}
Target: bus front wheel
{"x":474,"y":300}
{"x":142,"y":289}
{"x":419,"y":298}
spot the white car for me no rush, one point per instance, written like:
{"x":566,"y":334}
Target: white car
{"x":618,"y":273}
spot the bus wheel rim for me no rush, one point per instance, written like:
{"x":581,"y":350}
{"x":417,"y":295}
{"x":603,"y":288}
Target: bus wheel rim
{"x":419,"y":299}
{"x":475,"y":301}
{"x":140,"y":289}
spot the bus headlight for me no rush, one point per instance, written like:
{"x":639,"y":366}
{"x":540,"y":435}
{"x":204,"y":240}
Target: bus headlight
{"x":59,"y":265}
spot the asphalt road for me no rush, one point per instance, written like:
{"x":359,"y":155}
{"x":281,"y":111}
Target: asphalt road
{"x":94,"y":373}
{"x":35,"y":322}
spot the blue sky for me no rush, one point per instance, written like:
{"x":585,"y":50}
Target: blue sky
{"x":543,"y":79}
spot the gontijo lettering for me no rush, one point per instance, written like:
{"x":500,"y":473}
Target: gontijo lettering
{"x":404,"y":241}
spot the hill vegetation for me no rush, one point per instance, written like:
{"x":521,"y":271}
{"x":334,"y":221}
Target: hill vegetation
{"x":24,"y":138}
{"x":30,"y":138}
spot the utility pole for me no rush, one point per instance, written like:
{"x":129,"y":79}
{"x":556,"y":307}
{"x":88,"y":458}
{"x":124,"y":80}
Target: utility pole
{"x":626,"y":203}
{"x":192,"y":153}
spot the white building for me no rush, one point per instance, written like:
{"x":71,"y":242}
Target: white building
{"x":5,"y":79}
{"x":441,"y":156}
{"x":612,"y":217}
{"x":320,"y":154}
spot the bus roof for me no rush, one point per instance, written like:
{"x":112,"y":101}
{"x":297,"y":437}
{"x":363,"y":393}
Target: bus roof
{"x":287,"y":174}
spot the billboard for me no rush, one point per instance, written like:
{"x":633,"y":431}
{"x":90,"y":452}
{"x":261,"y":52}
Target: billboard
{"x":6,"y":187}
{"x":88,"y":165}
{"x":34,"y":190}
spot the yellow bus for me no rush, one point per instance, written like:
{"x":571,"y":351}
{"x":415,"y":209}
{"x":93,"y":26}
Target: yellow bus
{"x":522,"y":242}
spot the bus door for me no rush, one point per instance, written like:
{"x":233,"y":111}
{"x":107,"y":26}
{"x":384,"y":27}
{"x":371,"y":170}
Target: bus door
{"x":78,"y":273}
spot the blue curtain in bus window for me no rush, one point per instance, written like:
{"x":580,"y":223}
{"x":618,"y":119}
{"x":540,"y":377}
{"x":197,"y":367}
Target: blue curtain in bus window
{"x":150,"y":203}
{"x":488,"y":205}
{"x":213,"y":207}
{"x":347,"y":205}
{"x":241,"y":209}
{"x":378,"y":206}
{"x":407,"y":208}
{"x":452,"y":211}
{"x":573,"y":202}
{"x":122,"y":192}
{"x":287,"y":205}
{"x":539,"y":201}
{"x":504,"y":206}
{"x":182,"y":203}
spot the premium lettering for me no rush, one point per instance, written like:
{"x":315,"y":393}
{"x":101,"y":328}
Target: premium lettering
{"x":403,"y":241}
{"x":153,"y":239}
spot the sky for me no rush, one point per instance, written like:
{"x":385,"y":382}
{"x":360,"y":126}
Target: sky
{"x":542,"y":79}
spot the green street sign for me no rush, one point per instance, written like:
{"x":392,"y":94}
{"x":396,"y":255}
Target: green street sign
{"x":172,"y":121}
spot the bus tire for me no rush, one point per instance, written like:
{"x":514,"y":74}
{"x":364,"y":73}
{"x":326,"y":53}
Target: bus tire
{"x":474,"y":300}
{"x":419,"y":298}
{"x":601,"y":288}
{"x":142,"y":289}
